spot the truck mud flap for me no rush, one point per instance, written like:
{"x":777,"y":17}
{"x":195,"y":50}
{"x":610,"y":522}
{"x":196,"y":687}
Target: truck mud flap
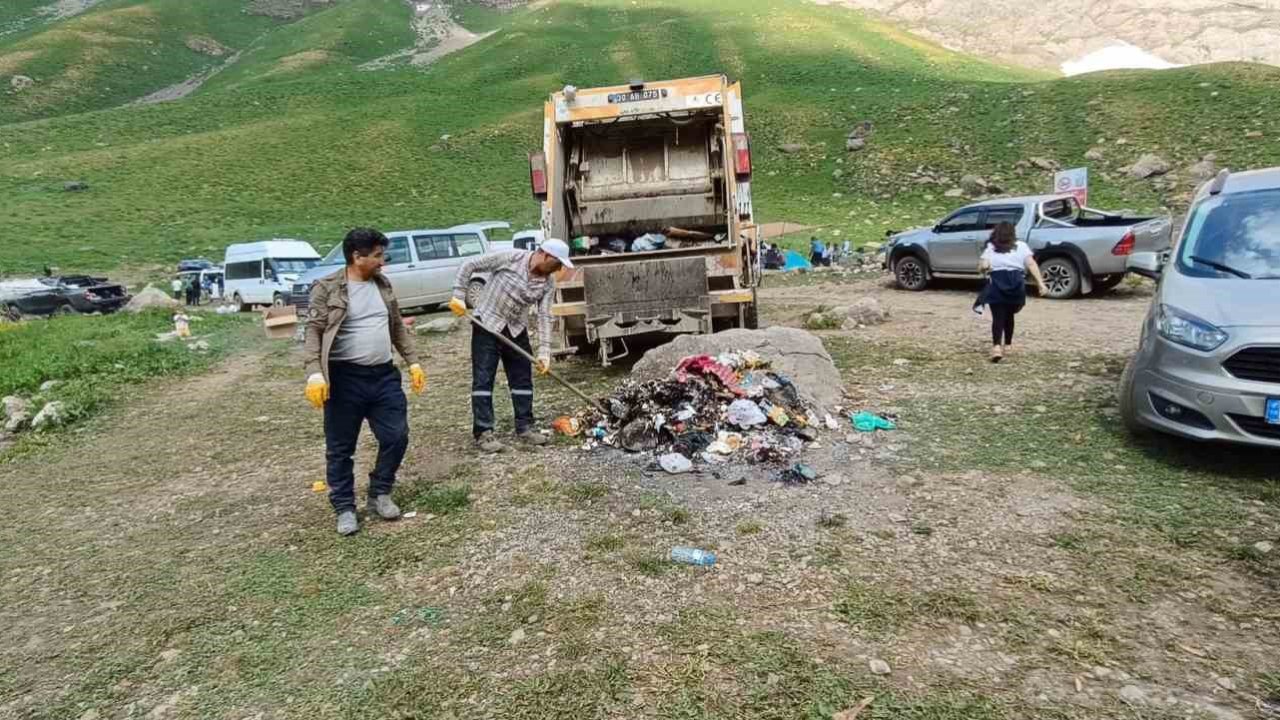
{"x":654,"y":296}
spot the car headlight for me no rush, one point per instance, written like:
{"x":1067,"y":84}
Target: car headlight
{"x":1185,"y":329}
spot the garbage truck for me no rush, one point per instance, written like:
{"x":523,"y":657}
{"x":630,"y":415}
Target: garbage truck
{"x":650,"y":184}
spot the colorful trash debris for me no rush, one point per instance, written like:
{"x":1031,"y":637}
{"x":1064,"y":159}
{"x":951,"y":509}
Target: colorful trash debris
{"x":566,"y":425}
{"x":870,"y":422}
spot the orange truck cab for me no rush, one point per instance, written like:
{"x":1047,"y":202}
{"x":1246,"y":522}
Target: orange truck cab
{"x":650,"y":184}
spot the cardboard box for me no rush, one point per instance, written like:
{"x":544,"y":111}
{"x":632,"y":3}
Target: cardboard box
{"x":280,"y":323}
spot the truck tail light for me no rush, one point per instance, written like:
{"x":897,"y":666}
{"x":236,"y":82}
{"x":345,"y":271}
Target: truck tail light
{"x":742,"y":153}
{"x":538,"y":175}
{"x":1125,"y":246}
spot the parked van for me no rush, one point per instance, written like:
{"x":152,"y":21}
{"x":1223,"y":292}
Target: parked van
{"x":1208,"y":362}
{"x":261,"y":273}
{"x":421,"y":265}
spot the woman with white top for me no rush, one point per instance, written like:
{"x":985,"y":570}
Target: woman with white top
{"x":1007,"y":260}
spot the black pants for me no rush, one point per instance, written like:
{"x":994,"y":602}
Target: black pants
{"x":358,"y":393}
{"x":1002,"y":316}
{"x":486,"y":351}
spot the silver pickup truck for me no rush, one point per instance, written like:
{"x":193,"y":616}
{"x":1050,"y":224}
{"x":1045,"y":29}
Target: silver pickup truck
{"x":1080,"y":250}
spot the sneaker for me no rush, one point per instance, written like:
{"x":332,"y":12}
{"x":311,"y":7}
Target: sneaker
{"x":532,"y":437}
{"x":347,"y":522}
{"x":383,"y":508}
{"x":490,"y":444}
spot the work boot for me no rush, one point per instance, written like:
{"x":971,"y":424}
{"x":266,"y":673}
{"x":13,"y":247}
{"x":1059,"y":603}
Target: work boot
{"x":384,"y":508}
{"x":347,"y":522}
{"x":490,"y":444}
{"x":531,"y":437}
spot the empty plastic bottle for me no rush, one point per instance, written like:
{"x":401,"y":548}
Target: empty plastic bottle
{"x":693,"y":556}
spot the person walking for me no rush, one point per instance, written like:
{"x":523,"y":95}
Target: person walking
{"x":176,"y":285}
{"x":1006,"y":260}
{"x":816,"y":251}
{"x":519,"y":280}
{"x":353,"y":324}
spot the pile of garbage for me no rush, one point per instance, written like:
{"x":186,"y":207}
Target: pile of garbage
{"x":670,"y":238}
{"x":710,"y":410}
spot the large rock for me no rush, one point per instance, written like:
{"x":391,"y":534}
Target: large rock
{"x":51,"y":415}
{"x":1149,"y":165}
{"x":795,"y":353}
{"x":16,"y":422}
{"x":14,"y":405}
{"x":1203,"y":170}
{"x":20,"y":82}
{"x":151,"y":297}
{"x":206,"y":45}
{"x":1095,"y":154}
{"x":973,"y":185}
{"x":1045,"y":163}
{"x":867,"y":311}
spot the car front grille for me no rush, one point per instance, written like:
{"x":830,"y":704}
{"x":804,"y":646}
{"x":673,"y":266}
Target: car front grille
{"x":1261,"y":364}
{"x":300,"y":296}
{"x":1257,"y":426}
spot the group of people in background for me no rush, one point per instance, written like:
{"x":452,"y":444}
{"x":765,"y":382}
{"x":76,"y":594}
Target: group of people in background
{"x":190,"y":290}
{"x":826,"y":254}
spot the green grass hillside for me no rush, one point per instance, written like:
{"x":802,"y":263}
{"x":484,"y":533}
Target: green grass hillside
{"x":294,"y":141}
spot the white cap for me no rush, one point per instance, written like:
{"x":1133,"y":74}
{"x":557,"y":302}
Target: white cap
{"x":557,"y":249}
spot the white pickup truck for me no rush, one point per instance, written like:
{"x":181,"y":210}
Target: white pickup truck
{"x":1080,"y":250}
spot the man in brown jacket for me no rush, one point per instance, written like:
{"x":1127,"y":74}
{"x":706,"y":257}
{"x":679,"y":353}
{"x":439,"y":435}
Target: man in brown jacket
{"x":353,"y":324}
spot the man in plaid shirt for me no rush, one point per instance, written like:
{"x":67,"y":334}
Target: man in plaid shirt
{"x":519,"y":280}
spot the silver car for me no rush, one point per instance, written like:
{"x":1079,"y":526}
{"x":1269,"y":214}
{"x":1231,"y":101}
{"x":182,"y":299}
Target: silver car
{"x":1208,"y":364}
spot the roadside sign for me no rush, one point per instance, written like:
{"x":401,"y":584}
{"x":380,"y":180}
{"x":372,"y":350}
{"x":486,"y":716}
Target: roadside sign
{"x":1075,"y":182}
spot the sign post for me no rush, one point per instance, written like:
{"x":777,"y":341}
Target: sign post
{"x":1074,"y":182}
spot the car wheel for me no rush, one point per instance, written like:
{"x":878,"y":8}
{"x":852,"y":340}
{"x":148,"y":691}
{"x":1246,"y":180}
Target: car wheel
{"x":910,"y":273}
{"x":1128,"y":406}
{"x":1061,"y":277}
{"x":64,"y":310}
{"x":277,"y":300}
{"x":12,"y":313}
{"x":239,"y":301}
{"x":474,"y":288}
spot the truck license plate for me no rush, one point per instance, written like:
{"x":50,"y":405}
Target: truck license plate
{"x":1273,"y":411}
{"x":637,"y":96}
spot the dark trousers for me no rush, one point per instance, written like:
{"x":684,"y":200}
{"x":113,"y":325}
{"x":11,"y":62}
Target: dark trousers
{"x":486,"y":351}
{"x":1002,"y":315}
{"x":358,"y":393}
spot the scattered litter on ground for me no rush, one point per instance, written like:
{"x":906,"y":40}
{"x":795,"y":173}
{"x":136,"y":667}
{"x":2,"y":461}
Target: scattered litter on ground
{"x":410,"y":515}
{"x":566,"y":425}
{"x":711,"y":410}
{"x":675,"y":463}
{"x":870,"y":422}
{"x":692,"y":556}
{"x":319,"y":486}
{"x":431,"y":616}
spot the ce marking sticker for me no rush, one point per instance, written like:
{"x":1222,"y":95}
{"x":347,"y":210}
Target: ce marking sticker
{"x":711,"y":99}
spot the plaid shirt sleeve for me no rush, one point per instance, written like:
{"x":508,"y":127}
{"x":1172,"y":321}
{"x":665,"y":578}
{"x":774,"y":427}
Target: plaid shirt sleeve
{"x":544,"y":320}
{"x":480,"y":263}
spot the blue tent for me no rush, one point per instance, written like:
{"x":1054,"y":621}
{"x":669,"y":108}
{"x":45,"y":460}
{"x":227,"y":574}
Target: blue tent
{"x":796,"y":261}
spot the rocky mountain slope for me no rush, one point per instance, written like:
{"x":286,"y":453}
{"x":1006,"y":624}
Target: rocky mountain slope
{"x":1046,"y":35}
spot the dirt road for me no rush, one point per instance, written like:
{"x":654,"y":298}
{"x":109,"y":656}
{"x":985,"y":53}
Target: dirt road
{"x":1007,"y":553}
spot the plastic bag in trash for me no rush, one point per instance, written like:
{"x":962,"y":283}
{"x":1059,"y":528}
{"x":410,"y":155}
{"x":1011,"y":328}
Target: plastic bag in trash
{"x":648,"y":242}
{"x":746,"y":414}
{"x":675,"y":463}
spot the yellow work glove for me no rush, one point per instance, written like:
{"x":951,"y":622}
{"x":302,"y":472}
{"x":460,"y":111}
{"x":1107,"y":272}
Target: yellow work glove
{"x":317,"y":391}
{"x":417,"y":378}
{"x":543,"y":365}
{"x":458,"y":307}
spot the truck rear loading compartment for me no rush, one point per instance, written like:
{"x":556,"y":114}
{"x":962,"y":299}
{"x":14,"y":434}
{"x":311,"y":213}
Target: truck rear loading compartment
{"x":650,"y":184}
